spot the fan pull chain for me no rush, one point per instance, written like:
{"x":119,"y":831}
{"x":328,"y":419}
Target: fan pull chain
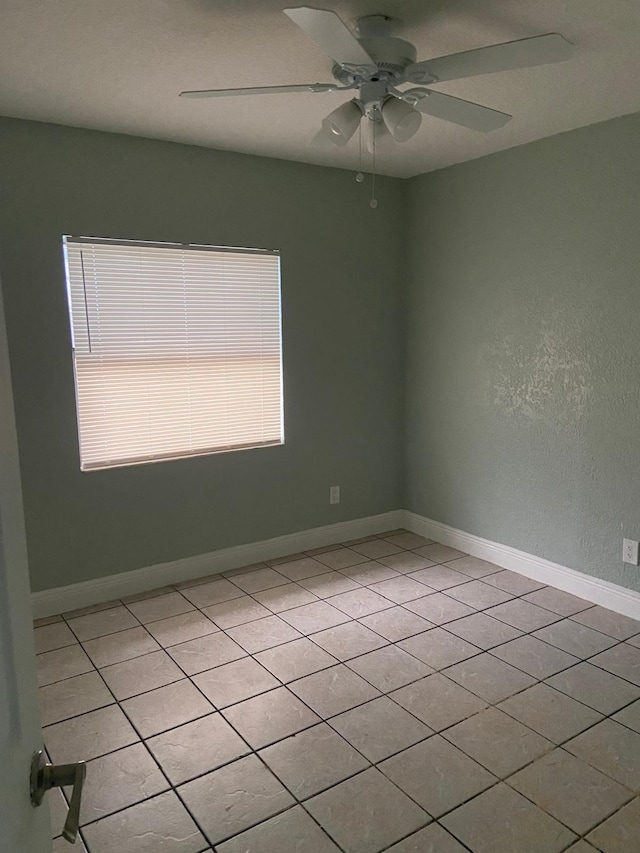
{"x":360,"y":176}
{"x":373,"y":201}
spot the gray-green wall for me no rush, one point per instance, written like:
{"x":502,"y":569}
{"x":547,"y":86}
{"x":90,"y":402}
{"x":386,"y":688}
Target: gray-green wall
{"x":523,"y":356}
{"x":341,"y":286}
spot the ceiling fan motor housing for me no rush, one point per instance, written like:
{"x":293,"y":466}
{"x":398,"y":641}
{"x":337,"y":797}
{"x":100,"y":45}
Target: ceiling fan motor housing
{"x":391,"y":56}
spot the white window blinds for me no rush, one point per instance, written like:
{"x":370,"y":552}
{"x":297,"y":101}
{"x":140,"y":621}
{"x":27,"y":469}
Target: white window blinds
{"x":177,"y":349}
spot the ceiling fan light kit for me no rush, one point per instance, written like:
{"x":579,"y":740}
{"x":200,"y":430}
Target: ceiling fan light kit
{"x":375,"y":63}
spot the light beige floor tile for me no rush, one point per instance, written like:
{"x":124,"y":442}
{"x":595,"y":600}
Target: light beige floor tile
{"x":196,"y":748}
{"x":537,"y":658}
{"x":634,"y":641}
{"x":270,"y":717}
{"x":366,"y":813}
{"x":306,"y":567}
{"x":181,"y":628}
{"x":438,"y":701}
{"x":483,"y":631}
{"x":437,"y":775}
{"x":550,"y":713}
{"x":333,"y":690}
{"x":92,"y":608}
{"x":342,"y":558}
{"x":439,"y":608}
{"x":405,"y":562}
{"x":595,"y":687}
{"x":573,"y":792}
{"x":574,"y":638}
{"x":244,"y":570}
{"x":522,"y":615}
{"x":290,"y":832}
{"x":89,"y":735}
{"x":629,"y":716}
{"x":135,"y":676}
{"x":263,"y":633}
{"x":314,"y":617}
{"x":489,"y":678}
{"x":331,"y":583}
{"x":125,"y":645}
{"x":581,"y":847}
{"x":478,"y":594}
{"x":389,"y":668}
{"x":351,"y":542}
{"x":396,"y":623}
{"x":73,"y":696}
{"x":622,"y":660}
{"x":166,"y":707}
{"x":259,"y":579}
{"x":235,"y":681}
{"x":431,"y":839}
{"x":288,"y":558}
{"x":54,"y":636}
{"x":620,"y":833}
{"x":118,"y":780}
{"x":228,"y":614}
{"x":438,"y":648}
{"x":61,"y":845}
{"x":369,"y":573}
{"x":149,"y":593}
{"x":399,"y":589}
{"x":159,"y":825}
{"x":295,"y":660}
{"x":439,"y":553}
{"x":234,"y":798}
{"x":439,"y":577}
{"x":408,"y":540}
{"x":212,"y":592}
{"x":360,"y":602}
{"x":46,"y":620}
{"x":611,"y":748}
{"x":380,"y":728}
{"x":313,"y":760}
{"x":102,"y":623}
{"x":521,"y":828}
{"x":349,"y":640}
{"x":62,"y":663}
{"x":312,"y":552}
{"x":473,"y":567}
{"x":286,"y":597}
{"x":513,"y":582}
{"x":377,"y":548}
{"x":608,"y":622}
{"x":206,"y":652}
{"x":498,"y":742}
{"x":557,"y":601}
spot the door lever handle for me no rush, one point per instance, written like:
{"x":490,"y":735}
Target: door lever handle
{"x":45,"y":776}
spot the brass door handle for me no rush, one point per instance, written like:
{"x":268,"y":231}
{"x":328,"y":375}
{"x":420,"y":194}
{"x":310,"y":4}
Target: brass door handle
{"x":45,"y":776}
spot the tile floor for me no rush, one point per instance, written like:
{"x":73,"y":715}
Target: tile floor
{"x":385,"y":694}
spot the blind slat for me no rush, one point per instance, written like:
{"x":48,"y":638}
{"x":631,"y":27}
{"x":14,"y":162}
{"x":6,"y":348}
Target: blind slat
{"x":177,"y":350}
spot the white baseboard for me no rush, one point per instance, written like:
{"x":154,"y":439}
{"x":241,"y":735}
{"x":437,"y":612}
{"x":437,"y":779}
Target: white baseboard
{"x":609,"y":595}
{"x":52,"y":601}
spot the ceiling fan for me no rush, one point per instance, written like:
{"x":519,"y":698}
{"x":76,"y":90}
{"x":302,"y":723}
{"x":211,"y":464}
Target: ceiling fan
{"x":373,"y":62}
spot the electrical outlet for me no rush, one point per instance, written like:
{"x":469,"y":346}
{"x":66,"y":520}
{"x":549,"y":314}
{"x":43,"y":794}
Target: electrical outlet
{"x":334,"y":494}
{"x":630,"y":551}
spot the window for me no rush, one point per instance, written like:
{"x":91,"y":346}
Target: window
{"x":176,"y":349}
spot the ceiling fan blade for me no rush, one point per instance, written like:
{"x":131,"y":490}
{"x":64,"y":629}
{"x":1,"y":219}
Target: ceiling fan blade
{"x":465,"y":113}
{"x":524,"y":53}
{"x":328,"y":32}
{"x":261,"y":90}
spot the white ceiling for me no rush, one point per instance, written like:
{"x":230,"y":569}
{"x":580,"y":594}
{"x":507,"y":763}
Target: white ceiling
{"x":118,"y":65}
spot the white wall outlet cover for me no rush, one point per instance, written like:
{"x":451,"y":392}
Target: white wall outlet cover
{"x":630,"y":551}
{"x":334,"y":494}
